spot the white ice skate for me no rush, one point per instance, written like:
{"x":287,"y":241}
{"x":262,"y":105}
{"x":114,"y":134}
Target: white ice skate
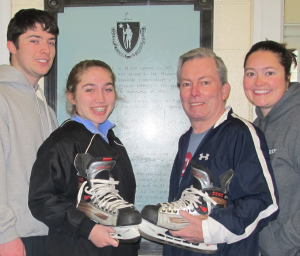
{"x":199,"y":200}
{"x":101,"y":202}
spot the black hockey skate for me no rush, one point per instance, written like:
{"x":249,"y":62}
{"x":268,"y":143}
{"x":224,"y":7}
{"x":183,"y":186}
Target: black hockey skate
{"x":101,"y":202}
{"x":199,"y":200}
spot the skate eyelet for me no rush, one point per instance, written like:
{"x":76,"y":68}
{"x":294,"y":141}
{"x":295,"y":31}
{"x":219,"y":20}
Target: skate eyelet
{"x":175,"y":211}
{"x":163,"y":210}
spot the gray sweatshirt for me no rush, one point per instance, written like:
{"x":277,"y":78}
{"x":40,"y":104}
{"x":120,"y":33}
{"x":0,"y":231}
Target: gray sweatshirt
{"x":282,"y":130}
{"x":24,"y":125}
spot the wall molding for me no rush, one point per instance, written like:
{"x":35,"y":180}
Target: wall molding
{"x":5,"y":16}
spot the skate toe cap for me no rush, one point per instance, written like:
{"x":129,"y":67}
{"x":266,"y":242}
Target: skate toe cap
{"x":150,"y":213}
{"x":128,"y":217}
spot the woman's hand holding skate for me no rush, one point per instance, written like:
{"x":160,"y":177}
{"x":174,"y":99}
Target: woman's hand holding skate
{"x":100,"y":236}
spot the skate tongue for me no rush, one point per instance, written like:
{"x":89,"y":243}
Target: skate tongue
{"x":202,"y":177}
{"x":99,"y":168}
{"x":225,"y":180}
{"x":81,"y":161}
{"x":102,"y":175}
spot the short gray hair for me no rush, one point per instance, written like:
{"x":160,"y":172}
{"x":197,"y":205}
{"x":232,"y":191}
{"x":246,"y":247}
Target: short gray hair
{"x":203,"y":53}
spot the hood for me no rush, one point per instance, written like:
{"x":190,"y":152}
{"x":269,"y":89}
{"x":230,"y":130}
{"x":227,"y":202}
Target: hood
{"x":289,"y":100}
{"x":11,"y":76}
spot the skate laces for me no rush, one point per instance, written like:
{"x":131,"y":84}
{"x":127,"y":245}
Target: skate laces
{"x":190,"y":200}
{"x":104,"y":195}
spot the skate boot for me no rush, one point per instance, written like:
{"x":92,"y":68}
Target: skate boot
{"x":199,"y":200}
{"x":101,"y":202}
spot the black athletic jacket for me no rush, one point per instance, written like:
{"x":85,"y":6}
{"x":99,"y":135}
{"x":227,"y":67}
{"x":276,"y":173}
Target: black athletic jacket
{"x":54,"y":188}
{"x":233,"y":143}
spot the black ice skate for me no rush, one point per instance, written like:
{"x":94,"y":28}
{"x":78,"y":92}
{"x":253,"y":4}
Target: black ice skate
{"x":101,"y":202}
{"x":199,"y":200}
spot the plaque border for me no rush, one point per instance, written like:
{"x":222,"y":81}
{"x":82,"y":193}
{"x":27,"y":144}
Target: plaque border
{"x":205,"y":7}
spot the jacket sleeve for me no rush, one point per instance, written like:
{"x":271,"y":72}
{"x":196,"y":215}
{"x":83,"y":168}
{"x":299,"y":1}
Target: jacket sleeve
{"x":288,"y":238}
{"x":53,"y":190}
{"x":8,"y":231}
{"x":253,"y":196}
{"x":288,"y":235}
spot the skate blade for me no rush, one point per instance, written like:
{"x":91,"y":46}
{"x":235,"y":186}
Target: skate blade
{"x":158,"y":234}
{"x":126,"y":234}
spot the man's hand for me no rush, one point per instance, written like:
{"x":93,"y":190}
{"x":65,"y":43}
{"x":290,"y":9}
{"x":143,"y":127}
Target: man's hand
{"x":193,"y":232}
{"x":100,"y":236}
{"x":13,"y":248}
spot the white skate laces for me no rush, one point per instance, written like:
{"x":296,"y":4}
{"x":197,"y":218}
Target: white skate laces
{"x":104,"y":195}
{"x":200,"y":199}
{"x":100,"y":200}
{"x":157,"y":220}
{"x":104,"y":205}
{"x":189,"y":201}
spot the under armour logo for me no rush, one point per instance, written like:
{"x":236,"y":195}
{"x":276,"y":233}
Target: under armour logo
{"x":202,"y":156}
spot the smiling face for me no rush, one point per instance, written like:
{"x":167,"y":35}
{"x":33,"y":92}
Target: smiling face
{"x":264,"y":80}
{"x":94,"y":96}
{"x":35,"y":53}
{"x":201,"y":92}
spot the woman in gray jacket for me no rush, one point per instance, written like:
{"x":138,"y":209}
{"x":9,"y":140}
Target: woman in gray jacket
{"x":267,"y":72}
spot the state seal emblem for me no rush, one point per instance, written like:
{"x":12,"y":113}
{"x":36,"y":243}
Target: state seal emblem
{"x":128,"y":37}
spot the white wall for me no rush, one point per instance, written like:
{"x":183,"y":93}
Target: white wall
{"x":5,"y":16}
{"x":292,"y":31}
{"x":232,"y":40}
{"x":268,"y":20}
{"x":268,"y":23}
{"x":25,"y":4}
{"x":292,"y":8}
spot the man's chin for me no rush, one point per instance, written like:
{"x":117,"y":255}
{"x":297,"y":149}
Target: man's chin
{"x":42,"y":73}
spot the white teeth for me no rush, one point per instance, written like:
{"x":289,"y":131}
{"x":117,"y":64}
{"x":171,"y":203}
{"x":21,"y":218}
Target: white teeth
{"x":42,"y":61}
{"x":99,"y":109}
{"x":196,"y":104}
{"x":261,"y":91}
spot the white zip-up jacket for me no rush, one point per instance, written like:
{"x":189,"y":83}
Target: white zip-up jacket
{"x":25,"y":122}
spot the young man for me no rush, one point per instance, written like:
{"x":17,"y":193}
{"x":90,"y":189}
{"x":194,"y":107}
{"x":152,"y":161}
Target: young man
{"x":218,"y":143}
{"x":25,"y":122}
